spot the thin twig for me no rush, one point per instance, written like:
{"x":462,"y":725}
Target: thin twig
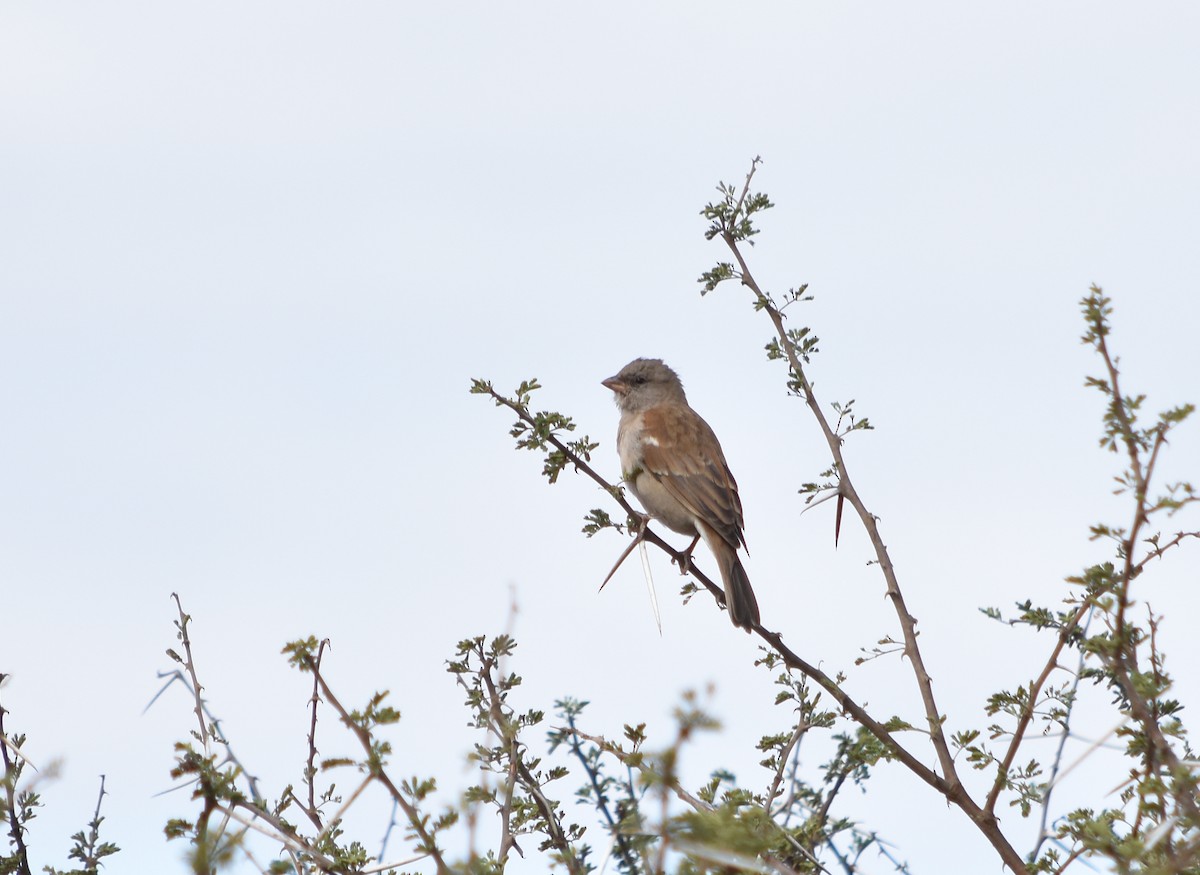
{"x":1125,"y":664}
{"x":387,"y":867}
{"x":364,"y":737}
{"x":189,"y":666}
{"x":1056,"y":765}
{"x":1160,"y":549}
{"x":387,"y":833}
{"x":1027,"y":712}
{"x":178,"y":675}
{"x":279,"y":832}
{"x":785,"y":756}
{"x":336,"y":817}
{"x":640,"y":764}
{"x":622,"y":843}
{"x":310,"y":771}
{"x":93,"y":836}
{"x":520,"y":772}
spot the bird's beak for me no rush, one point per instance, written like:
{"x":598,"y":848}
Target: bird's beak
{"x":616,"y":384}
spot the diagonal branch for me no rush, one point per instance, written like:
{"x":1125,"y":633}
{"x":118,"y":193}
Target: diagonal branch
{"x":949,"y":783}
{"x":1035,"y":690}
{"x":846,"y":488}
{"x":416,"y":821}
{"x":502,"y":728}
{"x":774,"y":639}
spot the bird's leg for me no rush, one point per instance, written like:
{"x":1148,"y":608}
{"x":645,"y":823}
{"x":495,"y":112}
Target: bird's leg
{"x":685,"y":557}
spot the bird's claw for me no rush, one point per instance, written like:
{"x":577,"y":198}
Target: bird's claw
{"x":684,"y":559}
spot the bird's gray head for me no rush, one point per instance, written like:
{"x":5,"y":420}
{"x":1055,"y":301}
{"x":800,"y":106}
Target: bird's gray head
{"x":643,"y":383}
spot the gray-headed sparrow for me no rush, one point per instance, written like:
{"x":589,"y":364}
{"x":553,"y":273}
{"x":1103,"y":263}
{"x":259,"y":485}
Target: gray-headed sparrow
{"x":673,"y":463}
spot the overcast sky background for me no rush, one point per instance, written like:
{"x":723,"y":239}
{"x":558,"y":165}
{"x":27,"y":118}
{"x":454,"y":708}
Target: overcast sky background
{"x":252,"y":253}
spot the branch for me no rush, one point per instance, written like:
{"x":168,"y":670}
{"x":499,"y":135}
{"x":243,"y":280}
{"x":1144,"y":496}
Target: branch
{"x":1160,"y":549}
{"x":364,"y":738}
{"x":90,"y":852}
{"x":280,"y":832}
{"x":1059,"y":752}
{"x":190,"y":667}
{"x":517,"y":769}
{"x":846,"y":488}
{"x":624,"y":851}
{"x":639,"y":763}
{"x":1035,"y":689}
{"x":310,"y":771}
{"x":201,"y":709}
{"x":11,"y":772}
{"x":774,"y":639}
{"x":949,"y":784}
{"x":1125,"y":662}
{"x":785,"y":756}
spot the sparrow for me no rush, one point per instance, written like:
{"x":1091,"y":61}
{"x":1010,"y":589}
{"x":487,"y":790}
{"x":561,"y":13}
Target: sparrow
{"x":672,"y":461}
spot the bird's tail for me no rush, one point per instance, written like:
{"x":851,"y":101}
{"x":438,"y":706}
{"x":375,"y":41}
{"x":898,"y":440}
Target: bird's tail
{"x":739,"y":597}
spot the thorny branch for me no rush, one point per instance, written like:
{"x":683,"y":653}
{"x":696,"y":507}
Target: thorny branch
{"x":1125,"y":662}
{"x":310,"y":771}
{"x":948,"y":783}
{"x":774,"y":639}
{"x":16,"y":831}
{"x":415,"y":820}
{"x":501,"y":725}
{"x":731,"y":222}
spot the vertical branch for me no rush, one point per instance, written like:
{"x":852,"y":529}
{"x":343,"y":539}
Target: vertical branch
{"x":190,"y":667}
{"x":1056,"y":766}
{"x":519,"y":773}
{"x":310,"y":771}
{"x":12,"y":771}
{"x":624,"y":851}
{"x":1124,"y":661}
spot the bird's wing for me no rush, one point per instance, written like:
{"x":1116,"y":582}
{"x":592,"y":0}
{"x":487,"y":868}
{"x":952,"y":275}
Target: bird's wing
{"x":681,"y":451}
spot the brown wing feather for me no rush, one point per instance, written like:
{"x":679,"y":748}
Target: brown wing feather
{"x":688,"y":462}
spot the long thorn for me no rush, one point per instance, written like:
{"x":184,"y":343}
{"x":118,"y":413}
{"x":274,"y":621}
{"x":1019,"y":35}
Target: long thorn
{"x":624,"y":556}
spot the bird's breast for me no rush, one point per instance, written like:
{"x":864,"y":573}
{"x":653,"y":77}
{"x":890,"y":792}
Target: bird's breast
{"x":648,"y":489}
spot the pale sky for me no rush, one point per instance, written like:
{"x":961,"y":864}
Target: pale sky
{"x":251,"y":255}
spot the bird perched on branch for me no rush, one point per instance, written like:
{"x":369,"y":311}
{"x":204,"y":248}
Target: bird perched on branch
{"x":673,"y":463}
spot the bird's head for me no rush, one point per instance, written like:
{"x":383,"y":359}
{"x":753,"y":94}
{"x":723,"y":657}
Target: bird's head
{"x":643,"y":383}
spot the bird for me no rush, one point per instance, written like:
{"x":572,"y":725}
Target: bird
{"x":672,"y":461}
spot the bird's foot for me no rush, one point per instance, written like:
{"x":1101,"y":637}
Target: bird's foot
{"x":684,"y":559}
